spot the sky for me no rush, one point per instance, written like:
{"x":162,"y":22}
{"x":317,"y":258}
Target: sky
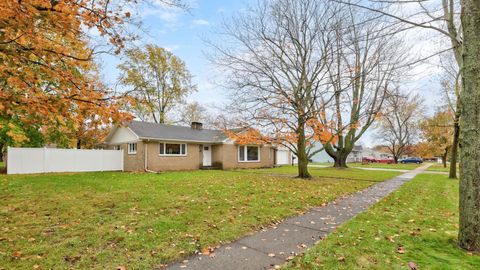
{"x":184,"y":34}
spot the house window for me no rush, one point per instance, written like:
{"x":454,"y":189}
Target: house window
{"x":173,"y":149}
{"x":132,"y":148}
{"x":116,"y":147}
{"x":248,"y":153}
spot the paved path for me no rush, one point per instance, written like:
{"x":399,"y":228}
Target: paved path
{"x":270,"y":248}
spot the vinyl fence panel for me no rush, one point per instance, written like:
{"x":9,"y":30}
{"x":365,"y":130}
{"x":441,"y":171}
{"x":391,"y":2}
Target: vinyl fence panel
{"x":44,"y":160}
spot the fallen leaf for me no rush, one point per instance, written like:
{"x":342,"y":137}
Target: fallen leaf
{"x":412,"y":266}
{"x":401,"y":250}
{"x":121,"y":268}
{"x":17,"y":254}
{"x":206,"y":251}
{"x":341,"y":259}
{"x":271,"y":254}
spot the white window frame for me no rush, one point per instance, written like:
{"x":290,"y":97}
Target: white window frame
{"x":245,"y":147}
{"x":172,"y":155}
{"x":131,"y":151}
{"x":117,"y":147}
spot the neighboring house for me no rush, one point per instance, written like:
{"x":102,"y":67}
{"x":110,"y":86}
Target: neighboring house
{"x":161,"y":147}
{"x":322,"y":156}
{"x":355,"y":156}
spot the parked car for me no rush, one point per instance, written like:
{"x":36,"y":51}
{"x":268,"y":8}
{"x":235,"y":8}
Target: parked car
{"x":369,"y":160}
{"x":386,"y":160}
{"x":411,"y":160}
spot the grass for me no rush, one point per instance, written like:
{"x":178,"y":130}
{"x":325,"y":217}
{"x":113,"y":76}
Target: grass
{"x":399,"y":166}
{"x":350,"y":173}
{"x":141,"y":221}
{"x":416,"y":224}
{"x":439,"y":168}
{"x":375,"y":165}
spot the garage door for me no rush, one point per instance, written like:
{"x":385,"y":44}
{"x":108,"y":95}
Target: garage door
{"x":282,"y":157}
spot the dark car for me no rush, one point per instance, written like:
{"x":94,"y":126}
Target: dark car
{"x":411,"y":160}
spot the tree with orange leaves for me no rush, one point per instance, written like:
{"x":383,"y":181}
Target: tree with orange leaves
{"x":47,"y":73}
{"x":438,"y":133}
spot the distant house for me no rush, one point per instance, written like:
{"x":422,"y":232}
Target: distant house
{"x":355,"y":156}
{"x":161,"y":147}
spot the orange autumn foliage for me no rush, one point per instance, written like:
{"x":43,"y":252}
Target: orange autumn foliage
{"x":247,"y":136}
{"x":47,"y":74}
{"x":319,"y":133}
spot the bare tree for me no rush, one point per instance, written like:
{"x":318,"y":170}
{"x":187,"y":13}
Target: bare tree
{"x":194,"y":112}
{"x":276,"y":56}
{"x":464,"y":37}
{"x":398,"y":126}
{"x":451,"y":83}
{"x":365,"y":60}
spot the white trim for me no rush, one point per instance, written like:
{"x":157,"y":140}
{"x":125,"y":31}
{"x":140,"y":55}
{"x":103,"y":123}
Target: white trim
{"x":245,"y":154}
{"x":173,"y":155}
{"x":132,"y":152}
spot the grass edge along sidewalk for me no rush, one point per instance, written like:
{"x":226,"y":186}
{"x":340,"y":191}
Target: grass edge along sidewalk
{"x":416,"y":226}
{"x":269,"y":248}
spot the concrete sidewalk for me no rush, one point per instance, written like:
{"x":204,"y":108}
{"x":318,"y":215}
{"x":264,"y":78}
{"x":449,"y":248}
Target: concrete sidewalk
{"x":378,"y":169}
{"x":272,"y":247}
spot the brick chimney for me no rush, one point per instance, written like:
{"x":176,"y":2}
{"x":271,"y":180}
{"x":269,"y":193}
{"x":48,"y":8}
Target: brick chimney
{"x":196,"y":125}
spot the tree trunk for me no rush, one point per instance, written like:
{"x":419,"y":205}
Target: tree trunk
{"x":469,"y":231}
{"x":302,"y":155}
{"x":1,"y":152}
{"x":161,"y":117}
{"x":340,"y":160}
{"x":453,"y":160}
{"x":79,"y":144}
{"x":444,"y":159}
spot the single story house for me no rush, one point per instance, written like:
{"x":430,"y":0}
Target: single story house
{"x":160,"y":147}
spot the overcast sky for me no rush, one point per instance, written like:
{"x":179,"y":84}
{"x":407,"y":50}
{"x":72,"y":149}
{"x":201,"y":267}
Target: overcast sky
{"x":183,"y":33}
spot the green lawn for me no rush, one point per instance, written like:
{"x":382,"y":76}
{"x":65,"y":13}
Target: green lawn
{"x":417,"y":224}
{"x":375,"y":165}
{"x":329,"y":172}
{"x":399,"y":166}
{"x":439,"y":168}
{"x":140,"y":221}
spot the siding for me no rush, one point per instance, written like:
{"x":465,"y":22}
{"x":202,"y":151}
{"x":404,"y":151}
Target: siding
{"x":191,"y":161}
{"x":230,"y":158}
{"x":136,"y":162}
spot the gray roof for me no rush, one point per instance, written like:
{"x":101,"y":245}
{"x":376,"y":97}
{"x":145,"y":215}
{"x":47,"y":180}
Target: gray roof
{"x":146,"y":130}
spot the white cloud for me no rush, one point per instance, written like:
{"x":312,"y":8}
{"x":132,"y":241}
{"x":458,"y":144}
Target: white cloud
{"x":171,"y":48}
{"x":200,"y":22}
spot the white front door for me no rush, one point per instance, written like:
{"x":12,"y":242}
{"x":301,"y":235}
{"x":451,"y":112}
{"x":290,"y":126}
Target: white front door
{"x":207,"y":155}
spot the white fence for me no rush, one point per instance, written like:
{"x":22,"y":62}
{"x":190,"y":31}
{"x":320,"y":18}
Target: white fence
{"x":43,"y":160}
